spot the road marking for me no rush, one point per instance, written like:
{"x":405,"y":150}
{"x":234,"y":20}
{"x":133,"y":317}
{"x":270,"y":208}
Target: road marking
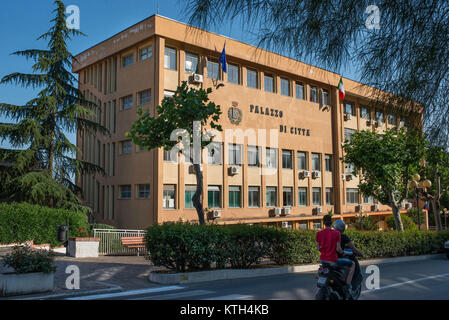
{"x":172,"y":296}
{"x":126,"y":293}
{"x":231,"y":297}
{"x":406,"y":282}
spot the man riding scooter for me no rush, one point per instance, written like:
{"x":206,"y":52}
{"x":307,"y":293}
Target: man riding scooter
{"x":346,"y":243}
{"x":328,"y":242}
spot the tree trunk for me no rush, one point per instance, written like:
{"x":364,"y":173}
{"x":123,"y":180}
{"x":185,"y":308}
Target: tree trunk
{"x":199,"y":191}
{"x":397,"y":217}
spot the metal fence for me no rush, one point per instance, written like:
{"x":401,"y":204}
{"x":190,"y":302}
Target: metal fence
{"x":111,"y":244}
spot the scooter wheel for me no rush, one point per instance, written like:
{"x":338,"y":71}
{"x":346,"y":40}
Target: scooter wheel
{"x":321,"y":294}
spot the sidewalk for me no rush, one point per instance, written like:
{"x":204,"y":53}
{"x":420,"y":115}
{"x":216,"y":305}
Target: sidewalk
{"x":107,"y":273}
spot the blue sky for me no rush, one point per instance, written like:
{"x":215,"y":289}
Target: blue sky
{"x":23,"y":21}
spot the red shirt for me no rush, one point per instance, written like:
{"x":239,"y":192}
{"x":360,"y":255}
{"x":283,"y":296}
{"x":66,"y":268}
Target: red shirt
{"x":328,"y":239}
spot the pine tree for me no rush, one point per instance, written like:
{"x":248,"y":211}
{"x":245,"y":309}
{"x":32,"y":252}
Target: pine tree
{"x":42,"y":164}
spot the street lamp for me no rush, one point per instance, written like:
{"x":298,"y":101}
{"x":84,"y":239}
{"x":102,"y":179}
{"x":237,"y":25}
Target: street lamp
{"x":419,"y":187}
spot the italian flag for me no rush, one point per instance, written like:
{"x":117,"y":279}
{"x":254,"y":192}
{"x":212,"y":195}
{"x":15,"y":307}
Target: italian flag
{"x":341,"y":89}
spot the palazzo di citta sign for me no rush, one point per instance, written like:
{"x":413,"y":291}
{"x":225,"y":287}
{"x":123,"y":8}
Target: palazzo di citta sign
{"x":276,"y":113}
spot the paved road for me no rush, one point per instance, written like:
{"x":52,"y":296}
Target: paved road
{"x":428,"y":279}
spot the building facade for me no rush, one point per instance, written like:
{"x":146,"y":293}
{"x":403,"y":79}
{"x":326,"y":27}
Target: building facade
{"x":278,"y":159}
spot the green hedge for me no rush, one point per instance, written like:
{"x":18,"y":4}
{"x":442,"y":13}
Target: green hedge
{"x":186,"y":247}
{"x":20,"y":222}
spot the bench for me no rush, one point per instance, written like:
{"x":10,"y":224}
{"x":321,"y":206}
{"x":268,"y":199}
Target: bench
{"x":133,"y":243}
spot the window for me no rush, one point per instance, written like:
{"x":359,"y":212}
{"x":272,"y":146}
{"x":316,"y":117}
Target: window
{"x":128,"y":60}
{"x":214,"y":152}
{"x":169,"y":196}
{"x":299,"y":88}
{"x":392,"y":119}
{"x":145,"y":97}
{"x":302,"y":160}
{"x":329,"y":196}
{"x":168,"y":156}
{"x":143,"y":191}
{"x":127,"y":102}
{"x":316,"y":224}
{"x":352,"y":196}
{"x":348,"y":134}
{"x":126,"y":147}
{"x":271,"y":156}
{"x":349,"y":109}
{"x":271,"y":196}
{"x":316,"y":162}
{"x":268,"y":83}
{"x":316,"y":196}
{"x":235,"y":154}
{"x":313,"y":94}
{"x":233,"y":73}
{"x":328,"y":162}
{"x":189,"y":192}
{"x":234,"y":197}
{"x":302,"y":196}
{"x":125,"y":192}
{"x":349,"y":168}
{"x":303,"y":226}
{"x":368,"y":199}
{"x":253,"y":197}
{"x":285,"y":87}
{"x":214,"y":196}
{"x":325,"y":97}
{"x":365,"y":113}
{"x":380,"y":116}
{"x":191,"y":64}
{"x":287,"y":196}
{"x":213,"y":70}
{"x":286,"y":159}
{"x":146,"y":52}
{"x":170,"y":58}
{"x":251,"y":78}
{"x":253,"y":156}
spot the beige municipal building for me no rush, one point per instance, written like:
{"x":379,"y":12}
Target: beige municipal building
{"x":261,"y":92}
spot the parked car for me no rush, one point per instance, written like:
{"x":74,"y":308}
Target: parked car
{"x":446,"y":248}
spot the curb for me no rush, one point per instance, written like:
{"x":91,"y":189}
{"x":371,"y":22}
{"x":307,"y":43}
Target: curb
{"x":227,"y":274}
{"x":75,"y":293}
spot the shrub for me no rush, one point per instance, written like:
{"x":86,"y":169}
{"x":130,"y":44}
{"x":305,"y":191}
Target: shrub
{"x":20,"y":222}
{"x":23,"y":259}
{"x":293,"y":247}
{"x":186,"y":247}
{"x":245,"y":245}
{"x":407,"y":222}
{"x":180,"y":247}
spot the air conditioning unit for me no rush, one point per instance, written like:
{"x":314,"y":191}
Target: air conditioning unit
{"x":287,"y":211}
{"x":348,"y":116}
{"x":277,"y":211}
{"x":198,"y":78}
{"x":192,"y":169}
{"x":343,"y":176}
{"x":375,"y":207}
{"x":233,"y":171}
{"x":316,"y":174}
{"x":319,"y":210}
{"x":216,"y":214}
{"x":349,"y":177}
{"x":304,"y":174}
{"x":285,"y":224}
{"x":371,"y":122}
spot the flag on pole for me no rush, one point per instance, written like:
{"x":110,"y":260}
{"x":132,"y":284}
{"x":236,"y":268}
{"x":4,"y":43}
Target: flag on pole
{"x":341,"y":89}
{"x":427,"y":207}
{"x":222,"y":60}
